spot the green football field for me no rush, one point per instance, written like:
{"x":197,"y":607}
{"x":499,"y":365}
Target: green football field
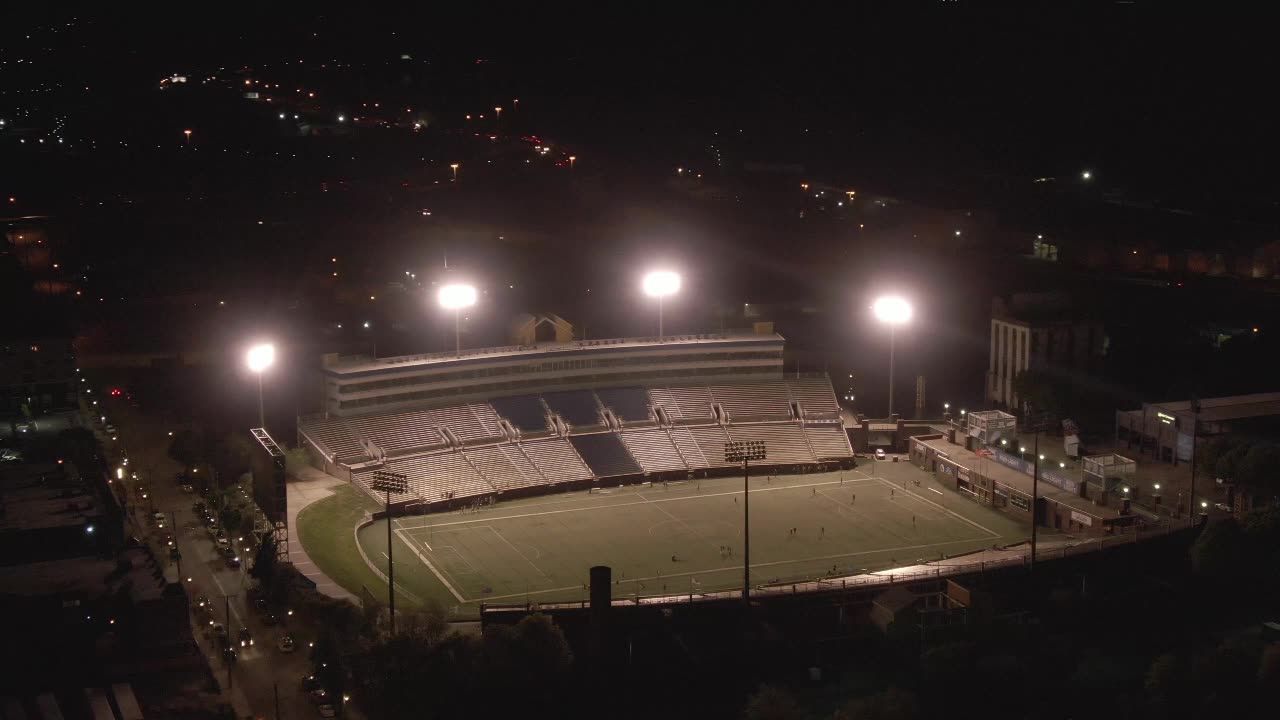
{"x":683,"y":537}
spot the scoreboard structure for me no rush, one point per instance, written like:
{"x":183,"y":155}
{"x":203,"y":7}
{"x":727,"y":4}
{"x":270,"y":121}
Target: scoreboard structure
{"x":269,"y":491}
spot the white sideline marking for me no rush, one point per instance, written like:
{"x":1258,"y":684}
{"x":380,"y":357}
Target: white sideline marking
{"x":988,"y":530}
{"x":452,"y":590}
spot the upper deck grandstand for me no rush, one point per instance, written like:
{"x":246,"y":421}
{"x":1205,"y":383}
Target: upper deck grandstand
{"x":528,"y":418}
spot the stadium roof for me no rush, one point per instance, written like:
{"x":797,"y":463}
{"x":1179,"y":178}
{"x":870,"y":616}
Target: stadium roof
{"x":362,"y":364}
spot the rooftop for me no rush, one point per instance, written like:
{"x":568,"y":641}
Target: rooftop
{"x":42,"y":496}
{"x":1234,"y":407}
{"x":362,"y":363}
{"x":1012,"y":478}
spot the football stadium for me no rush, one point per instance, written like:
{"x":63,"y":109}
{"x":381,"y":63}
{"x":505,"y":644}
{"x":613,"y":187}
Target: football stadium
{"x":518,"y":468}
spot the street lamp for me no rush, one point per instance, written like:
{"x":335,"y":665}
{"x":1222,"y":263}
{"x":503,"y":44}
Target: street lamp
{"x":259,"y":358}
{"x":660,"y":284}
{"x":455,"y":297}
{"x":574,"y":158}
{"x":188,"y":134}
{"x":454,"y":167}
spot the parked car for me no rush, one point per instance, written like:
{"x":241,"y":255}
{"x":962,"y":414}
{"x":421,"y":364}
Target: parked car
{"x":231,"y":558}
{"x":326,"y":710}
{"x":880,"y":454}
{"x":160,"y":518}
{"x":219,"y":632}
{"x":246,"y":638}
{"x":221,"y":540}
{"x":188,"y":488}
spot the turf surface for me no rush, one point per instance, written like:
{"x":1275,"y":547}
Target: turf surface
{"x":675,"y":538}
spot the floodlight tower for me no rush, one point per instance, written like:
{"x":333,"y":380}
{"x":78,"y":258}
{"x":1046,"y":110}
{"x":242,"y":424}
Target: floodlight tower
{"x":660,"y":284}
{"x":455,"y":297}
{"x":259,"y":358}
{"x":892,"y":311}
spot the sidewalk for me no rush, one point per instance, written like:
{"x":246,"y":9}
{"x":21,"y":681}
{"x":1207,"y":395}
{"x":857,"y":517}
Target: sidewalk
{"x":305,"y":487}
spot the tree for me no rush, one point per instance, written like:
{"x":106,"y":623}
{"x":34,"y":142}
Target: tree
{"x":1166,"y":683}
{"x":295,"y":459}
{"x":264,"y":563}
{"x":232,"y":456}
{"x":892,"y":704}
{"x":1220,"y":552}
{"x":188,"y":448}
{"x":229,"y":517}
{"x":1044,"y":392}
{"x":1258,"y":469}
{"x":772,"y":703}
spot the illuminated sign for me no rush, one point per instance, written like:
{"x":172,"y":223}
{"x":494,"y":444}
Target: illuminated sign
{"x":1166,"y":419}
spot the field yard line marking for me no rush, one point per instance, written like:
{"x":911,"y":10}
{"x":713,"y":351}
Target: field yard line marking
{"x":738,"y":568}
{"x":515,"y":550}
{"x":432,"y":568}
{"x":936,"y":490}
{"x":627,"y":504}
{"x":862,"y":515}
{"x":993,"y":533}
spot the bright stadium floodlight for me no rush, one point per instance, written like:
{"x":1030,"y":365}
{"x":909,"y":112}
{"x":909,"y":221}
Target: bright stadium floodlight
{"x":259,"y":358}
{"x":455,"y":297}
{"x":892,"y":311}
{"x":660,"y":284}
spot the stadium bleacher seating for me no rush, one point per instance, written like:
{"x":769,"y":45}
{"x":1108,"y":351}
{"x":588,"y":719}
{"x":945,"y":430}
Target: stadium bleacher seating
{"x":468,"y":422}
{"x":434,"y":476}
{"x":629,"y":404}
{"x":755,"y":400}
{"x":333,"y":438}
{"x":578,"y":407}
{"x":397,"y":432}
{"x":784,"y":442}
{"x":828,"y":441}
{"x":526,"y":412}
{"x":815,"y":395}
{"x":689,"y":403}
{"x":687,"y":446}
{"x":605,"y":454}
{"x":652,"y":448}
{"x":556,"y":459}
{"x":710,"y":440}
{"x":497,"y":469}
{"x":488,"y":461}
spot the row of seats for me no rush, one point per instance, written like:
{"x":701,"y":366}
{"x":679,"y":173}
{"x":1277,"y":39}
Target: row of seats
{"x":477,"y":422}
{"x":507,"y":466}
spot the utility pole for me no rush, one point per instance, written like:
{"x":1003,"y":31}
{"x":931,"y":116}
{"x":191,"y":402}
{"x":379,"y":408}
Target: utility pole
{"x":276,"y":689}
{"x":744,"y":452}
{"x":390,"y":482}
{"x":226,"y":610}
{"x":1037,"y":422}
{"x":1195,"y":426}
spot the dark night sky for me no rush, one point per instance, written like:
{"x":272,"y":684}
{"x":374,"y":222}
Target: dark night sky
{"x":1160,"y":103}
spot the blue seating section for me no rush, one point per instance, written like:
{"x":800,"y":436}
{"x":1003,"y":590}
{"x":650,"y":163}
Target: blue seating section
{"x":577,"y":407}
{"x":526,"y":412}
{"x":605,"y":454}
{"x":629,"y":404}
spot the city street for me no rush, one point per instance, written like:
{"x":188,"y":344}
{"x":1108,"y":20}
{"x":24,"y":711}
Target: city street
{"x":260,"y":668}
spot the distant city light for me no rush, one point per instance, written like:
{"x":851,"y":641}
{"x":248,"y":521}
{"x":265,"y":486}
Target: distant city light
{"x":1086,"y":175}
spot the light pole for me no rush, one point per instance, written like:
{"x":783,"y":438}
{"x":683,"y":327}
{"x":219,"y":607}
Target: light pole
{"x":660,"y":284}
{"x":892,"y":311}
{"x":390,"y":482}
{"x":454,"y":167}
{"x":259,"y":358}
{"x":498,"y":122}
{"x":455,"y":297}
{"x":187,"y":133}
{"x":744,"y":452}
{"x":572,"y":160}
